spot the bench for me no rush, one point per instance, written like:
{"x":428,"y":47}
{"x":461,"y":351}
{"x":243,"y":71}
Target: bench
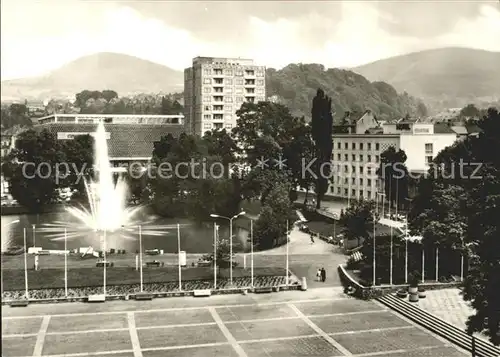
{"x":202,"y":292}
{"x":152,"y":252}
{"x":143,"y":296}
{"x":101,"y":264}
{"x":20,"y":303}
{"x":204,"y":263}
{"x":154,"y":263}
{"x":263,"y":290}
{"x":96,"y":298}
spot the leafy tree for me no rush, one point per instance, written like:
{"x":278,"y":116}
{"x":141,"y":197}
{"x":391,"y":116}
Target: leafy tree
{"x":357,"y":220}
{"x":295,"y":86}
{"x":483,"y":278}
{"x":15,"y":115}
{"x":79,"y":157}
{"x":200,"y":181}
{"x":268,"y":131}
{"x":322,"y":125}
{"x":394,"y":173}
{"x":30,"y":168}
{"x":470,"y":111}
{"x":452,"y":205}
{"x":271,"y":224}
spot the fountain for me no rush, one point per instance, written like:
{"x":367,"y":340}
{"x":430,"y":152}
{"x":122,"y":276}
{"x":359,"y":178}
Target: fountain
{"x":107,"y":213}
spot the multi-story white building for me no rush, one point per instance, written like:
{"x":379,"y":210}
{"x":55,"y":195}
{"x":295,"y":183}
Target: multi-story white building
{"x":215,"y":88}
{"x":357,"y":149}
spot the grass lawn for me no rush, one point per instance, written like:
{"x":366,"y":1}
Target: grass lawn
{"x":13,"y":279}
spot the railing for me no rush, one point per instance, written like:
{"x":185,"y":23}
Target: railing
{"x":450,"y":332}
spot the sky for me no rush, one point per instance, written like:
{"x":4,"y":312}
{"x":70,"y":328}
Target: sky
{"x":38,"y":36}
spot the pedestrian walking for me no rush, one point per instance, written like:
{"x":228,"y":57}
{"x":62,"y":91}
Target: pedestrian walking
{"x":323,"y":275}
{"x":312,"y":238}
{"x":318,"y":274}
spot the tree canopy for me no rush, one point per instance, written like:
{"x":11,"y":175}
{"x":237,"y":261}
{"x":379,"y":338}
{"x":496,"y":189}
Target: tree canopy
{"x":459,"y":201}
{"x":295,"y":86}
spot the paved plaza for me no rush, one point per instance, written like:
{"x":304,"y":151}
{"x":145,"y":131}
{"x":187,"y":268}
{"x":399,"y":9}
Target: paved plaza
{"x":448,"y":305}
{"x":322,"y":322}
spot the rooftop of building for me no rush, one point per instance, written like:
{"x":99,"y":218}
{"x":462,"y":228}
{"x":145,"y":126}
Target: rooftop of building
{"x":120,"y":119}
{"x":222,"y":60}
{"x":125,"y":141}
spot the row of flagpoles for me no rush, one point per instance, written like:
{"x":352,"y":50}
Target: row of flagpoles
{"x":141,"y":261}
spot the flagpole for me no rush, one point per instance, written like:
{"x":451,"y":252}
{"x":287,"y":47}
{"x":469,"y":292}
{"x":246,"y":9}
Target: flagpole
{"x":391,"y":252}
{"x":251,"y":251}
{"x":179,"y":254}
{"x":374,"y":252}
{"x":140,"y":257}
{"x":437,"y":263}
{"x":25,"y":267}
{"x":65,"y":262}
{"x":215,"y":255}
{"x":286,"y":272}
{"x":423,"y":263}
{"x":105,"y":263}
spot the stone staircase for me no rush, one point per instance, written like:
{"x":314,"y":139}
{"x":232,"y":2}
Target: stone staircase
{"x":444,"y":329}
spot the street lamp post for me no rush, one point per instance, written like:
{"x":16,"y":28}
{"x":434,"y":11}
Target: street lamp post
{"x":230,"y":241}
{"x":1,"y":270}
{"x":34,"y":237}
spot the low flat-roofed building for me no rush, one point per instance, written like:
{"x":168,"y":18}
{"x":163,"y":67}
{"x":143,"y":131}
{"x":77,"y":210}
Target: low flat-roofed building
{"x":130,"y":137}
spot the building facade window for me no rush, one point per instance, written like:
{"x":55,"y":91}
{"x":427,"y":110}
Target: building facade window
{"x":207,"y":90}
{"x":207,"y":81}
{"x":377,"y":146}
{"x":369,"y":146}
{"x":429,"y":149}
{"x":207,"y":126}
{"x":338,"y":146}
{"x":360,"y":146}
{"x":346,"y":146}
{"x":354,"y":146}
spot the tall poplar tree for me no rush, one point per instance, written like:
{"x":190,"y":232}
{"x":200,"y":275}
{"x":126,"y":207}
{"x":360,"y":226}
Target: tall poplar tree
{"x":322,"y":122}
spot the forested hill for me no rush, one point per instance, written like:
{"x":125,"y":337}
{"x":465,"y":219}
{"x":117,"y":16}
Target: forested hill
{"x":295,"y":86}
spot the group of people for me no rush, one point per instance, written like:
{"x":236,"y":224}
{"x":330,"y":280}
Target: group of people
{"x":321,"y":275}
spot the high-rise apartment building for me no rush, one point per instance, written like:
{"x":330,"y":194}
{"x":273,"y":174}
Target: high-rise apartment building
{"x":215,"y":88}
